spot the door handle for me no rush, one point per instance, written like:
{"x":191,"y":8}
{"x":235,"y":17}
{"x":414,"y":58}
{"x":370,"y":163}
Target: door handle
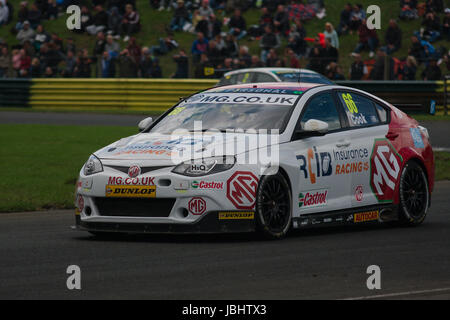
{"x":392,"y":135}
{"x":343,"y":144}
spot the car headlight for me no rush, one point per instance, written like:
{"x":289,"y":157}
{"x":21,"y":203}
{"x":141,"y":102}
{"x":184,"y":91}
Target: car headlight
{"x":93,"y":165}
{"x":203,"y":167}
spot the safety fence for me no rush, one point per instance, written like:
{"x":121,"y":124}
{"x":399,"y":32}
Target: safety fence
{"x":156,"y":95}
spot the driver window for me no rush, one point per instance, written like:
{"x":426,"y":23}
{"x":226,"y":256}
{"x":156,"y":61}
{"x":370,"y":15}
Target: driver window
{"x":323,"y":108}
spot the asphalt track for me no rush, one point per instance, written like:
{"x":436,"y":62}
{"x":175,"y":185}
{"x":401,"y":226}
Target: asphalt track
{"x":36,"y":249}
{"x":439,"y":130}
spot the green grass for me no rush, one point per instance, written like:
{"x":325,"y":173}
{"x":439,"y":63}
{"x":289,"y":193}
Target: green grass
{"x":154,"y":23}
{"x":442,"y":162}
{"x":41,"y":162}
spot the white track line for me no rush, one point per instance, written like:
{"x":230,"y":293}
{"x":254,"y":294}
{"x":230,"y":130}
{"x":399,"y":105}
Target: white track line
{"x":441,"y":149}
{"x":398,"y":294}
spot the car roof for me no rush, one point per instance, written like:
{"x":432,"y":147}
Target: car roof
{"x":269,"y":70}
{"x":301,"y":86}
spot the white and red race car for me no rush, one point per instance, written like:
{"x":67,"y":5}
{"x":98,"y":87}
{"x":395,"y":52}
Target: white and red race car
{"x":266,"y":157}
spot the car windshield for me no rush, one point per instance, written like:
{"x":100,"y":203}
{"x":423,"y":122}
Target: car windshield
{"x":222,"y":112}
{"x":302,"y":77}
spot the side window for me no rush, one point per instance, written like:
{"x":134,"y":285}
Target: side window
{"x":360,"y":110}
{"x":382,"y":113}
{"x":322,"y":107}
{"x":262,"y":77}
{"x":244,"y":77}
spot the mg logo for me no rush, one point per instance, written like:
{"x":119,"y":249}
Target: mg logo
{"x":197,"y":206}
{"x":241,"y":190}
{"x":134,"y":171}
{"x":385,"y":164}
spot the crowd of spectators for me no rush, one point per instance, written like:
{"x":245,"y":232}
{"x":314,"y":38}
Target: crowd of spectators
{"x":220,"y":30}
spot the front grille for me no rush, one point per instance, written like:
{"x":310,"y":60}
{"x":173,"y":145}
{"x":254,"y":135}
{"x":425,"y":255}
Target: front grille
{"x":124,"y":207}
{"x":143,"y":169}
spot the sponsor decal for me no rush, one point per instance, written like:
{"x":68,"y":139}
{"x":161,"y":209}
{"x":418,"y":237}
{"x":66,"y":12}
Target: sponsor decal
{"x":79,"y":205}
{"x":417,"y":138}
{"x":207,"y":185}
{"x":359,"y":193}
{"x":260,"y":90}
{"x":130,"y":191}
{"x":134,"y":171}
{"x":366,"y":216}
{"x":315,"y":164}
{"x":249,"y":98}
{"x":350,"y":161}
{"x":385,"y":164}
{"x":139,"y":181}
{"x":353,"y":113}
{"x":159,"y":148}
{"x":236,"y":215}
{"x":241,"y":190}
{"x":197,"y":206}
{"x":311,"y":199}
{"x":85,"y":183}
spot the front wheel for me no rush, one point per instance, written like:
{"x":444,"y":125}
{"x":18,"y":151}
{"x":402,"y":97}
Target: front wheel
{"x":414,"y":194}
{"x":273,"y":206}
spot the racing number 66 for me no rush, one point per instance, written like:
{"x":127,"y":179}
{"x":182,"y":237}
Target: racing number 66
{"x":348,"y":99}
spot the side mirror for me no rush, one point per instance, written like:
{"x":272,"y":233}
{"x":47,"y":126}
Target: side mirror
{"x":145,"y":123}
{"x":312,"y":128}
{"x":316,"y":126}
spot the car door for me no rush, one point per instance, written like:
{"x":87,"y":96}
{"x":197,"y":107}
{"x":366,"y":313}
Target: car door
{"x":319,"y":189}
{"x":367,"y":121}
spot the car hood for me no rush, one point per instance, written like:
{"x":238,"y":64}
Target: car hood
{"x":151,"y":146}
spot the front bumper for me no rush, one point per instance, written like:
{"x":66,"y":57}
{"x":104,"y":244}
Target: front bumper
{"x":209,"y":223}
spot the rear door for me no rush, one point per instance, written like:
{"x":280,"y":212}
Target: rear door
{"x":367,"y":121}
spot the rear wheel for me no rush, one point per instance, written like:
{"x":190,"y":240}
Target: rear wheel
{"x":414,"y":194}
{"x":273,"y":206}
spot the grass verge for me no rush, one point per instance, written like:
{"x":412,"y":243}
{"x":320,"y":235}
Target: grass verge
{"x":40,"y":163}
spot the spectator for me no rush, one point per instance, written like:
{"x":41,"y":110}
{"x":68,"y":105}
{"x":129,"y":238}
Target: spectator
{"x":85,"y":19}
{"x":367,"y":39}
{"x":22,"y":14}
{"x":156,"y":69}
{"x":35,"y":69}
{"x":357,"y":18}
{"x":329,"y":54}
{"x":5,"y":62}
{"x":99,"y":21}
{"x":231,"y":46}
{"x":290,"y":59}
{"x":315,"y":59}
{"x":434,"y":6}
{"x":99,"y":46}
{"x":4,"y":14}
{"x":40,"y":37}
{"x":378,"y":71}
{"x":272,"y":59}
{"x":146,"y":63}
{"x":165,"y":45}
{"x":202,"y":67}
{"x":127,"y":65}
{"x":114,"y":22}
{"x":268,"y":41}
{"x":408,"y":10}
{"x":393,"y":37}
{"x":205,"y":10}
{"x":26,"y":33}
{"x":238,"y":25}
{"x":256,"y":62}
{"x":432,"y":72}
{"x":70,"y":63}
{"x":431,"y":30}
{"x":266,"y":18}
{"x":344,"y":24}
{"x":49,"y":73}
{"x":134,"y":50}
{"x":334,"y":72}
{"x":130,"y":22}
{"x":107,"y":66}
{"x":182,"y":61}
{"x":25,"y":63}
{"x":332,"y":35}
{"x":409,"y":69}
{"x":421,"y":49}
{"x":245,"y":59}
{"x":34,"y":16}
{"x":52,"y":10}
{"x":358,"y":70}
{"x":214,"y":27}
{"x":70,"y":45}
{"x":281,"y":20}
{"x":112,"y":47}
{"x":15,"y":60}
{"x":180,"y":17}
{"x":214,"y":54}
{"x":446,"y":24}
{"x":199,"y":47}
{"x":296,"y":40}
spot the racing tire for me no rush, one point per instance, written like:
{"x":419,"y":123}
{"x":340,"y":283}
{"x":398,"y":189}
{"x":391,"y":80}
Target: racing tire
{"x":414,"y":195}
{"x":273,"y":207}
